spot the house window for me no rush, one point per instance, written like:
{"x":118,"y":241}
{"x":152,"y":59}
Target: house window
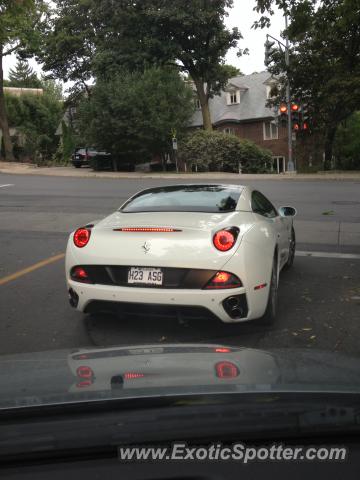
{"x":271,"y":90}
{"x":233,"y":97}
{"x":271,"y":131}
{"x":229,"y":131}
{"x":278,"y":165}
{"x":197,"y":104}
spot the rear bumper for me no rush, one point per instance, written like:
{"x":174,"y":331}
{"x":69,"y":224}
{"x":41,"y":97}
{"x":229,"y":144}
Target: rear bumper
{"x":153,"y":301}
{"x":80,"y":162}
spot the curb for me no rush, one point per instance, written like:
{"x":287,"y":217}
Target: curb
{"x":27,"y":169}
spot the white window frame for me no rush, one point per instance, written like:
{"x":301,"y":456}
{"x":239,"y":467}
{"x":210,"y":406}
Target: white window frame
{"x":271,"y":126}
{"x":233,"y":97}
{"x":277,"y":158}
{"x":229,"y":131}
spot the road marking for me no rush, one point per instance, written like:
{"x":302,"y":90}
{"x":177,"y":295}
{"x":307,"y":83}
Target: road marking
{"x":354,"y":256}
{"x":7,"y":185}
{"x":32,"y":268}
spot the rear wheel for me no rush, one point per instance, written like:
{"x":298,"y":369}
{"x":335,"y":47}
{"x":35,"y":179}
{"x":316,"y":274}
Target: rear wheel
{"x":292,"y":249}
{"x":271,"y":307}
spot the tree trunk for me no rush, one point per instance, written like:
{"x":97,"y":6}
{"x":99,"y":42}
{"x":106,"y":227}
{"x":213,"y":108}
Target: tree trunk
{"x":328,"y":147}
{"x":4,"y":125}
{"x":204,"y":102}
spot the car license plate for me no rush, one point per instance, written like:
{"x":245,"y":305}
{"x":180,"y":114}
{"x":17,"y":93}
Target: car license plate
{"x":145,"y":275}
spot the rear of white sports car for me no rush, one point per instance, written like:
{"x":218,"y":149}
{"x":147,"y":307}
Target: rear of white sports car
{"x":160,"y":255}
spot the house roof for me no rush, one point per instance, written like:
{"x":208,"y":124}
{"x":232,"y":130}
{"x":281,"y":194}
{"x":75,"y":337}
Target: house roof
{"x":18,"y":92}
{"x":252,"y":104}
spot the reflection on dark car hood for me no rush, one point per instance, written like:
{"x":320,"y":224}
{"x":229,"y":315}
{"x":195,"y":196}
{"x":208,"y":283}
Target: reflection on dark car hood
{"x":61,"y":377}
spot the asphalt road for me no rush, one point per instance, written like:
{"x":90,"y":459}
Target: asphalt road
{"x":319,"y":297}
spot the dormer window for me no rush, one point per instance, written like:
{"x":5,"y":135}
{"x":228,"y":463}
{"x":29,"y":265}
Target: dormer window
{"x":271,"y":89}
{"x":233,"y":97}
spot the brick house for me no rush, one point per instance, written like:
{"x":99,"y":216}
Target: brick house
{"x":241,"y":110}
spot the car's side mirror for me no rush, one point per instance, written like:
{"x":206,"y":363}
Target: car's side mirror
{"x":287,"y":211}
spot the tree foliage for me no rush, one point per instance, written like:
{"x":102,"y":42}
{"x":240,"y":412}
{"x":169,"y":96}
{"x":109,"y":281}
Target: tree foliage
{"x":69,"y":43}
{"x":19,"y":33}
{"x":23,"y":76}
{"x":347,"y":143}
{"x":36,"y":119}
{"x":192,"y":34}
{"x":324,"y":62}
{"x":98,"y":38}
{"x":215,"y":150}
{"x":133,"y":114}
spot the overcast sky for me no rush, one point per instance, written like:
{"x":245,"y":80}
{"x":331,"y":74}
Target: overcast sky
{"x":241,"y":16}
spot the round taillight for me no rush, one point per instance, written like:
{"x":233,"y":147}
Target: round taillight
{"x":224,"y":240}
{"x":82,"y":237}
{"x":226,"y":370}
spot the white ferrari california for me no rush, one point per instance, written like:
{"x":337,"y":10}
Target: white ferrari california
{"x":192,"y":250}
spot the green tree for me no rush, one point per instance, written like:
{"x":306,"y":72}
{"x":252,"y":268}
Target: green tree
{"x":347,"y":143}
{"x":190,"y":34}
{"x":324,"y":62}
{"x":68,"y":43}
{"x":232,"y":71}
{"x":18,"y":22}
{"x":36,"y":119}
{"x":23,"y":76}
{"x":133,"y":114}
{"x":98,"y":38}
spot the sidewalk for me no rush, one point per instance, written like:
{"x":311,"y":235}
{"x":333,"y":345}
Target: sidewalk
{"x":29,"y":169}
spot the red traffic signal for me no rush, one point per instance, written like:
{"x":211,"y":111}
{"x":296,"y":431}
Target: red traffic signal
{"x":305,"y":126}
{"x":294,"y":107}
{"x":296,"y":127}
{"x":283,"y":108}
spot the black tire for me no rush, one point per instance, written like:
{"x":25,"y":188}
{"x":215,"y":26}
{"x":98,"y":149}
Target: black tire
{"x":271,"y":308}
{"x":292,"y":250}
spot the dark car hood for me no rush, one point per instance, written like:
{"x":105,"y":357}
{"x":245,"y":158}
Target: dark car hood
{"x":60,"y":377}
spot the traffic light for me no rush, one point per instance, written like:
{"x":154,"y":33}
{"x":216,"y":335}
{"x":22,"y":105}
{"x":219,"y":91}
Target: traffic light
{"x":283,"y":114}
{"x":269,"y":51}
{"x":295,"y":117}
{"x":305,"y":118}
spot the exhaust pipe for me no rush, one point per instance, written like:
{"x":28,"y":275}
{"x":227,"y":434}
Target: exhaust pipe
{"x":235,"y":306}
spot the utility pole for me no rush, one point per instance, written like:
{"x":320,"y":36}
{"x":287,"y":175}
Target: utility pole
{"x":291,"y":166}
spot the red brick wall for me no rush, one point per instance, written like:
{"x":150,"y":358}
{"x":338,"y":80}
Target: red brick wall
{"x":254,"y":131}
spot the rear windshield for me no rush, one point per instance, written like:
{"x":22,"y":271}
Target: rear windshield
{"x":190,"y":198}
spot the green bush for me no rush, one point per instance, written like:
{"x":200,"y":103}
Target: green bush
{"x":216,"y":151}
{"x":36,"y":120}
{"x":347,"y":143}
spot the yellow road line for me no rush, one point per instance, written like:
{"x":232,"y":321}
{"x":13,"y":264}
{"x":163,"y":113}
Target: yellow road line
{"x":32,"y":268}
